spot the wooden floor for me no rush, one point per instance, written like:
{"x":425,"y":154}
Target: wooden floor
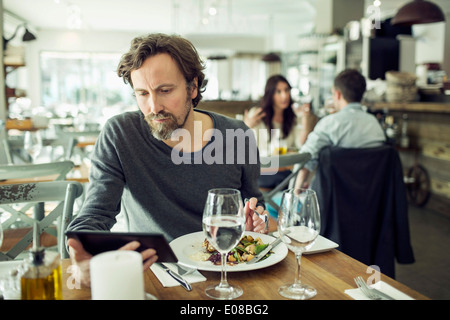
{"x":430,"y":239}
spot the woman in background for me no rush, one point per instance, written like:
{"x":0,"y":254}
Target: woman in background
{"x":276,"y":112}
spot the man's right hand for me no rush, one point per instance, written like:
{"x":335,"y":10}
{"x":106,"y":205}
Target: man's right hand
{"x":81,"y":257}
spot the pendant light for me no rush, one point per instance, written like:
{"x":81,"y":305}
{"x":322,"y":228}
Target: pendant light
{"x":271,"y":57}
{"x":27,"y":36}
{"x":418,"y":12}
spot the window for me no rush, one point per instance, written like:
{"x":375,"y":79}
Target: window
{"x":240,"y":77}
{"x":77,"y":84}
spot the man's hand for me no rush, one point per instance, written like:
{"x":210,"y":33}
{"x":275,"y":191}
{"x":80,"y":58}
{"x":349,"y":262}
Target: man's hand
{"x":302,"y":179}
{"x":253,"y":222}
{"x":81,"y":257}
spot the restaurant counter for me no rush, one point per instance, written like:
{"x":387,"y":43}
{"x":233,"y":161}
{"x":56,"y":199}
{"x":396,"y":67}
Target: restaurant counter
{"x":428,"y":130}
{"x":228,"y":108}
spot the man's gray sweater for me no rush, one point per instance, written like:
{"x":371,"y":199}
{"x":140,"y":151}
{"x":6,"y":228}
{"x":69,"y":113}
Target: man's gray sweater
{"x":157,"y":189}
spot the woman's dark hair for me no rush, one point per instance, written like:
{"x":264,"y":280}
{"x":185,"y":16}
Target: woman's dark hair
{"x":351,"y":84}
{"x":289,"y":117}
{"x":181,"y":50}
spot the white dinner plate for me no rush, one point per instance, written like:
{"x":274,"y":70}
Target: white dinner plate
{"x":320,"y":245}
{"x":187,"y":246}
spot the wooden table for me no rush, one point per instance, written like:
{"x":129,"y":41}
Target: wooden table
{"x":331,"y":273}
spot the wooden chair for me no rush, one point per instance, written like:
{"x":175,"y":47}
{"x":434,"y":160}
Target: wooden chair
{"x":25,"y":171}
{"x":53,"y":171}
{"x":70,"y":140}
{"x":62,"y":194}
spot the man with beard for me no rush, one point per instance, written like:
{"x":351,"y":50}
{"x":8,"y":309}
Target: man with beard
{"x":133,"y":172}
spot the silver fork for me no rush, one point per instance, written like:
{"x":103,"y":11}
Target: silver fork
{"x":365,"y":289}
{"x":372,"y":292}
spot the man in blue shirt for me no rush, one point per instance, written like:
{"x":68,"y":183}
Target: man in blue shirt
{"x":350,"y":127}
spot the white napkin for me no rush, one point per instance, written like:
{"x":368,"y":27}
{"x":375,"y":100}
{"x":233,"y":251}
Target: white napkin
{"x":381,"y":286}
{"x":167,"y":280}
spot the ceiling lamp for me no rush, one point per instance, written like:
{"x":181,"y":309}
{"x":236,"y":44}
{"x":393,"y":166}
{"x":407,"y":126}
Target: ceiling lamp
{"x":27,"y":36}
{"x":418,"y":12}
{"x":217,"y":57}
{"x":271,"y":57}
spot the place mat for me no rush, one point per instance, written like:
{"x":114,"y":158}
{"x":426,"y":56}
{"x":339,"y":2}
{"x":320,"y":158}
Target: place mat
{"x":381,"y":286}
{"x":167,"y":281}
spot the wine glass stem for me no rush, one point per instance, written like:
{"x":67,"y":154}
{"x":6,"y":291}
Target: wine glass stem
{"x":297,"y":271}
{"x":223,"y":275}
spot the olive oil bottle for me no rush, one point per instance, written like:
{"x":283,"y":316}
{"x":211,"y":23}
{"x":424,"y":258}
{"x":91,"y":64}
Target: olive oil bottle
{"x":41,"y":279}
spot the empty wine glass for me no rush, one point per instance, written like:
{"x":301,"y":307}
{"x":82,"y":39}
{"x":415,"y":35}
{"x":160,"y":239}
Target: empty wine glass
{"x":223,"y":225}
{"x":32,"y":144}
{"x":305,"y":99}
{"x":299,"y":226}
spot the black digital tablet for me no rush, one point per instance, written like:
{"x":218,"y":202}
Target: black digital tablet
{"x":96,"y":242}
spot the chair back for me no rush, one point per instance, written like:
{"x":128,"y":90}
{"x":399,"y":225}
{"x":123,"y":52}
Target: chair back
{"x":363,"y":204}
{"x":296,"y":160}
{"x":61,"y":195}
{"x":55,"y":171}
{"x":69,"y":140}
{"x":60,"y":168}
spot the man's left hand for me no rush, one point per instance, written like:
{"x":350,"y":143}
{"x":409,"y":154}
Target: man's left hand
{"x":253,"y":221}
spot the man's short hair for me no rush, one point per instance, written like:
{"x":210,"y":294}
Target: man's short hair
{"x":352,"y":84}
{"x":181,"y":50}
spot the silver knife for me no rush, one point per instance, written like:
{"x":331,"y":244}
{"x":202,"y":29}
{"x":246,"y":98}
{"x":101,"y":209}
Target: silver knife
{"x":264,"y":252}
{"x":176,"y":276}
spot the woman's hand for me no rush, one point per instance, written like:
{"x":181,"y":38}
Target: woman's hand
{"x":255,"y":118}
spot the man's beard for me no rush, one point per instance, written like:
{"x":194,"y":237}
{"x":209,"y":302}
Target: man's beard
{"x":163,"y":131}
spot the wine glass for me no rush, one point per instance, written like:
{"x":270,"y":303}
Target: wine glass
{"x":33,"y":144}
{"x":224,"y":225}
{"x":299,"y":226}
{"x":306,"y":99}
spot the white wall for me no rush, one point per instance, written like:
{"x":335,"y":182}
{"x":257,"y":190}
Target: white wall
{"x":429,"y":42}
{"x":67,"y":41}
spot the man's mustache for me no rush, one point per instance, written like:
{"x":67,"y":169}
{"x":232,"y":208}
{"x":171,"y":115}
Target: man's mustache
{"x":159,"y":116}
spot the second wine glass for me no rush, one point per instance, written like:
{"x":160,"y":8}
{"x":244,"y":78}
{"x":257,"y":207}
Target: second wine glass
{"x":32,"y":144}
{"x":224,"y":226}
{"x":299,"y":226}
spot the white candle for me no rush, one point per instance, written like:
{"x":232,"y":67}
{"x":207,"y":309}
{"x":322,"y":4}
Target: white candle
{"x":117,"y":275}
